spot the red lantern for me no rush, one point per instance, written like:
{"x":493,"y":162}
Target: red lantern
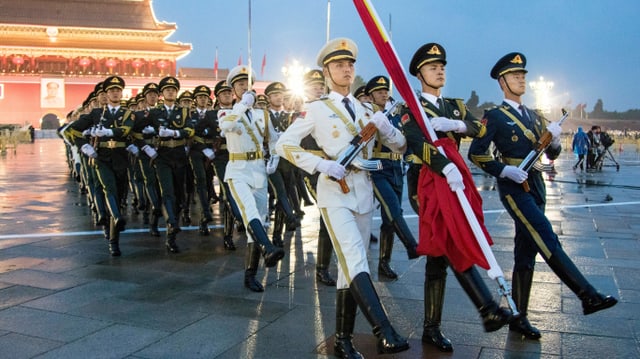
{"x":18,"y":61}
{"x":84,"y":62}
{"x":137,"y":63}
{"x":111,"y":63}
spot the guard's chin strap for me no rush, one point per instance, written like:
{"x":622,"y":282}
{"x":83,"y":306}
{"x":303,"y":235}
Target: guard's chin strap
{"x":507,"y":84}
{"x":422,"y":80}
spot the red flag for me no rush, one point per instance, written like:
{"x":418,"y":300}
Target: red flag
{"x":441,"y":231}
{"x":240,"y":60}
{"x":264,"y":63}
{"x":215,"y":65}
{"x":452,"y":235}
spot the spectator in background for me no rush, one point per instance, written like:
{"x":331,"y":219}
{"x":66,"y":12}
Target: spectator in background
{"x":580,"y":147}
{"x":595,"y":145}
{"x":32,"y":134}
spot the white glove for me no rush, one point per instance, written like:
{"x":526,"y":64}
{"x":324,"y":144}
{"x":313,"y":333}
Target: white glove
{"x":444,"y":124}
{"x":555,"y":131}
{"x":88,"y":150}
{"x":100,"y":132}
{"x":148,"y":130}
{"x":514,"y":173}
{"x":272,"y":164}
{"x":133,"y":149}
{"x":150,"y":151}
{"x":209,"y":153}
{"x":454,"y":177}
{"x":248,"y":98}
{"x":382,"y":123}
{"x":87,"y":132}
{"x":331,"y":168}
{"x":93,"y":131}
{"x":165,"y":132}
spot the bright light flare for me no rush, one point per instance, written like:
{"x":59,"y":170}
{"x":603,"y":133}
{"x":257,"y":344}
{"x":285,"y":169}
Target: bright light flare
{"x":542,"y":93}
{"x":294,"y":75}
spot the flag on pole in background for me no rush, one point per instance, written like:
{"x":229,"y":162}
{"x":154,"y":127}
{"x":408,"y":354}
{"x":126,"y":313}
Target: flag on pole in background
{"x":240,"y":60}
{"x":215,"y":65}
{"x":264,"y":64}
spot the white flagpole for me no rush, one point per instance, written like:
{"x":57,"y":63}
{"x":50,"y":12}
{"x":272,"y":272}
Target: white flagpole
{"x":249,"y":49}
{"x":328,"y":18}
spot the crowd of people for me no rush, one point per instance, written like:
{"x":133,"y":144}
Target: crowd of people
{"x":589,"y":147}
{"x":273,"y":152}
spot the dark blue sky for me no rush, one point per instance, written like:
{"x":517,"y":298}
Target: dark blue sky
{"x":588,"y":48}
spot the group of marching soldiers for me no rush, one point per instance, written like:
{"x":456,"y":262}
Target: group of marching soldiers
{"x":270,"y":153}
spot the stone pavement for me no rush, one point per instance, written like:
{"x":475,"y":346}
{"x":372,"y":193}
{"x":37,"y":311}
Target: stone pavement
{"x":63,"y":296}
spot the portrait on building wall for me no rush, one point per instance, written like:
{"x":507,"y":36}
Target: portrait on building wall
{"x":52,"y":93}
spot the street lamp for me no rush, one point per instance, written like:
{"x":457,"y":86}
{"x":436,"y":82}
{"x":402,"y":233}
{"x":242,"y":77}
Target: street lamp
{"x":294,"y":75}
{"x":542,"y":92}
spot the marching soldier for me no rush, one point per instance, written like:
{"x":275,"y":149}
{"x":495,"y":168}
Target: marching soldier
{"x":144,"y":134}
{"x":109,"y":152}
{"x":284,"y":195}
{"x":172,"y":126}
{"x":230,"y":211}
{"x":361,"y":94}
{"x":185,"y":100}
{"x":262,"y":102}
{"x":515,"y":130}
{"x":451,"y":120}
{"x":315,"y":89}
{"x":201,"y":152}
{"x":334,"y":122}
{"x":388,"y":183}
{"x":247,"y":131}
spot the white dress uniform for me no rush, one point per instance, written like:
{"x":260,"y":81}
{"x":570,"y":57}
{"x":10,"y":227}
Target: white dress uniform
{"x":245,"y":173}
{"x":348,"y":216}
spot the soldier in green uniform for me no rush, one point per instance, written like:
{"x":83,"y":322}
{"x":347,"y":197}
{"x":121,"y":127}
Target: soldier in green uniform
{"x":451,"y":120}
{"x":185,"y":100}
{"x":143,"y":136}
{"x":109,"y":153}
{"x":173,"y":128}
{"x":201,"y":151}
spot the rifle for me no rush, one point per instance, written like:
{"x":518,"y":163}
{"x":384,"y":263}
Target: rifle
{"x":542,"y":144}
{"x":355,"y":146}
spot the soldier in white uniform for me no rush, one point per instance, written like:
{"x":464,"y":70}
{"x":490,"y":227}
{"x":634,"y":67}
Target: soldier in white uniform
{"x":249,"y":134}
{"x":333,"y":122}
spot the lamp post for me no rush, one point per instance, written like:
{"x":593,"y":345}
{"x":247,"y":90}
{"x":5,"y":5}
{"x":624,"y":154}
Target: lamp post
{"x":542,"y":92}
{"x":294,"y":75}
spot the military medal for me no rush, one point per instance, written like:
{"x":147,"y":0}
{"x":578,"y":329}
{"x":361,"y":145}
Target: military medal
{"x":514,"y":138}
{"x":335,"y":133}
{"x":456,"y":112}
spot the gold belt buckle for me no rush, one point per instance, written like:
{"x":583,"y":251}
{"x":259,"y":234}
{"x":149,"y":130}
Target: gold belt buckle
{"x":251,"y":156}
{"x":111,"y":144}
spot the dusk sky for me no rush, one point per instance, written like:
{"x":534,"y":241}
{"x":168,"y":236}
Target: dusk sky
{"x":588,"y":48}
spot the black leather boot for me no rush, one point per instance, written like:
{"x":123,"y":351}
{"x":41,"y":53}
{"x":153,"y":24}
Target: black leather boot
{"x":153,"y":224}
{"x":364,"y":293}
{"x":205,"y":217}
{"x":346,"y":308}
{"x":251,"y":260}
{"x":521,"y":289}
{"x":171,"y":243}
{"x":278,"y":228}
{"x":270,"y":253}
{"x":406,"y":237}
{"x":493,"y":316}
{"x":171,"y":216}
{"x":323,"y":257}
{"x":114,"y":240}
{"x":566,"y":270}
{"x":386,"y":248}
{"x":114,"y":209}
{"x":227,"y":219}
{"x":433,"y":303}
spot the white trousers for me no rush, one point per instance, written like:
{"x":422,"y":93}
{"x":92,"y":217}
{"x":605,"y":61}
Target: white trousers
{"x":252,"y":202}
{"x":350,"y":234}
